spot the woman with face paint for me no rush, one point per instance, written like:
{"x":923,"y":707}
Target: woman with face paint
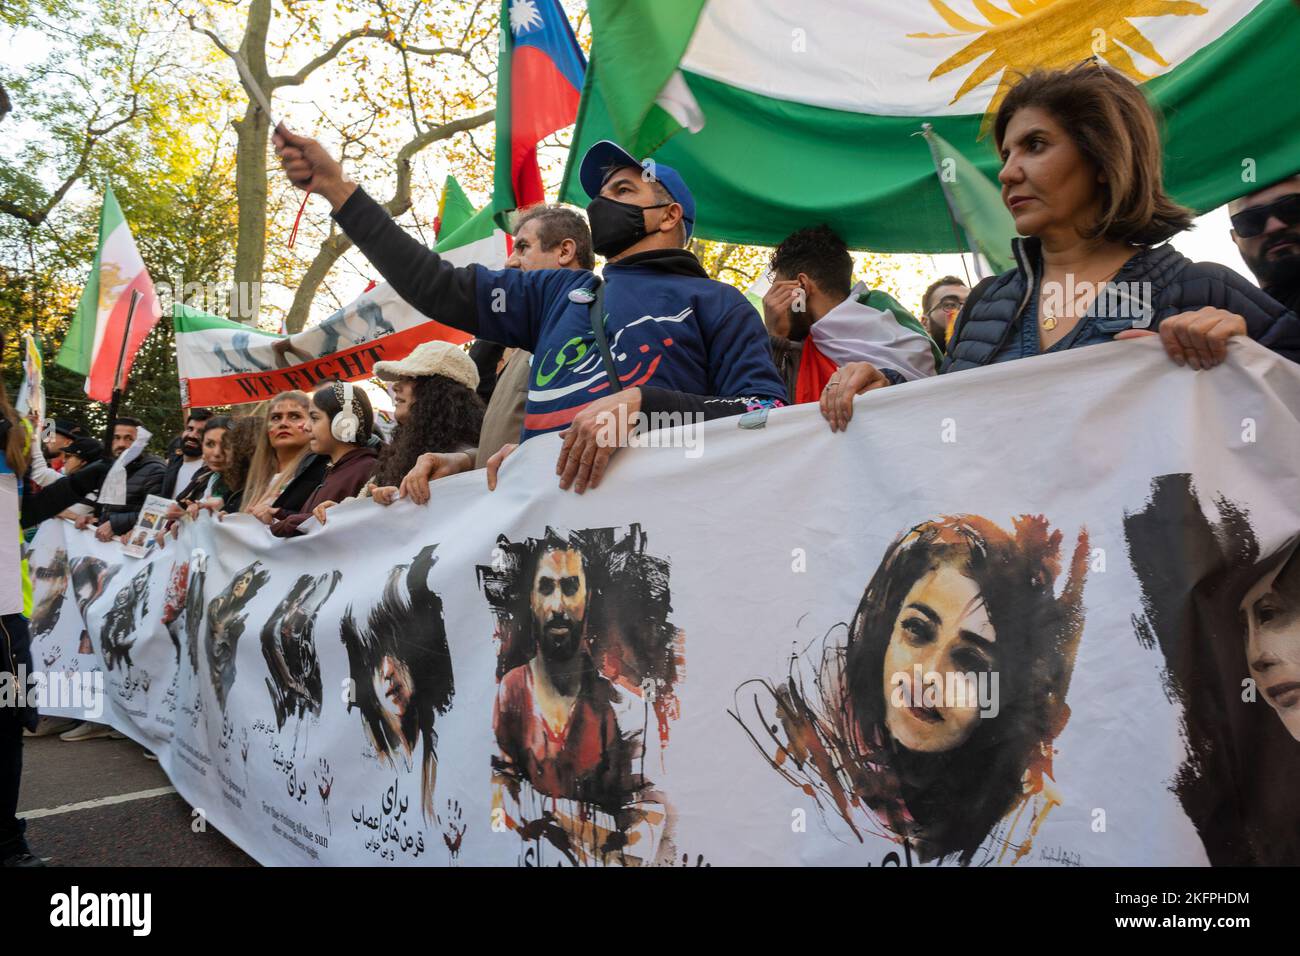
{"x":284,"y":471}
{"x":341,"y":426}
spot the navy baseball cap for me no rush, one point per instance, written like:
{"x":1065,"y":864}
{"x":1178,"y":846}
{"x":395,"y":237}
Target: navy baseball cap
{"x":87,"y":449}
{"x":606,"y":156}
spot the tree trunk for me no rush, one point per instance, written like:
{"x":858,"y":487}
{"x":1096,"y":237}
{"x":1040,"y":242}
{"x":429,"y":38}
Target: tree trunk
{"x":250,"y":168}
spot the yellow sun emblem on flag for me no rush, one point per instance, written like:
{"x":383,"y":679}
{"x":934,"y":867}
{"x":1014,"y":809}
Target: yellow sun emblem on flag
{"x":1050,"y":35}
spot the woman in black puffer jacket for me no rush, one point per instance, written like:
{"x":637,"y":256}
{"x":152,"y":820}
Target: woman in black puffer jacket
{"x":1082,"y":176}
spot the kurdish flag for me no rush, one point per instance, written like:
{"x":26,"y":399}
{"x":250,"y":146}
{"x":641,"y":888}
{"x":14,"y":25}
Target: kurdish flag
{"x":806,"y":111}
{"x":466,"y":236}
{"x":94,"y":342}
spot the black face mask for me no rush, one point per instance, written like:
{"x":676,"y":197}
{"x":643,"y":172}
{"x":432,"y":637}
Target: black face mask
{"x":616,"y":225}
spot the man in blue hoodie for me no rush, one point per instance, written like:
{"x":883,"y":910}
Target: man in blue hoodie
{"x":680,"y":342}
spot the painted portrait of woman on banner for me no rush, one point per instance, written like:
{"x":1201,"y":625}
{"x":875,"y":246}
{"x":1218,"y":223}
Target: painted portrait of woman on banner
{"x":932,"y":723}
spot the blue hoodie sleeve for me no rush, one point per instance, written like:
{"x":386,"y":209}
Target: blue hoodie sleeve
{"x":742,"y":375}
{"x":512,"y":304}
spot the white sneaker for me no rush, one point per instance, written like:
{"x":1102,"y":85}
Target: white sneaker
{"x":87,"y":731}
{"x":49,"y":726}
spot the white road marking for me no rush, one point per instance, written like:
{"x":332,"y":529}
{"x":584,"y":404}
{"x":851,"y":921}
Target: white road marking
{"x":101,"y":802}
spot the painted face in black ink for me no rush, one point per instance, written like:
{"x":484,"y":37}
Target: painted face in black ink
{"x":559,"y":604}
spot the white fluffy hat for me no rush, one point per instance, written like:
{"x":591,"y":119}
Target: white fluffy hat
{"x":432,"y":358}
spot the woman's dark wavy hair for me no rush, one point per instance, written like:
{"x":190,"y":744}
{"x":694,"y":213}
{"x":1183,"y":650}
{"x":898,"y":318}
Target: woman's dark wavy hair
{"x":408,"y":627}
{"x":241,"y":440}
{"x":443,"y":415}
{"x":1117,"y":130}
{"x":959,"y":796}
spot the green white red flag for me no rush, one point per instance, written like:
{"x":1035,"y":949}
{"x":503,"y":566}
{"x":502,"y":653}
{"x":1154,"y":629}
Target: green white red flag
{"x":98,"y":338}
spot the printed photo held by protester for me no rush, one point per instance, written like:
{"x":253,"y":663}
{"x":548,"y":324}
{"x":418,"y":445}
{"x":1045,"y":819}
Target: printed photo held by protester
{"x":1082,"y":174}
{"x":685,"y":344}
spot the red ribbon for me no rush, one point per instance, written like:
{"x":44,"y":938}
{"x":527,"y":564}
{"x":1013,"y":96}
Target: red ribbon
{"x":293,"y":233}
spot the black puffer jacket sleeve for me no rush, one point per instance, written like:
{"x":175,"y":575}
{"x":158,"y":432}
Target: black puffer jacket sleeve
{"x":64,"y":493}
{"x":1202,"y":285}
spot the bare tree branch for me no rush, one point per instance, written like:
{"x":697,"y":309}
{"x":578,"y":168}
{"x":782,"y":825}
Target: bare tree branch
{"x":36,"y":217}
{"x":401,"y":200}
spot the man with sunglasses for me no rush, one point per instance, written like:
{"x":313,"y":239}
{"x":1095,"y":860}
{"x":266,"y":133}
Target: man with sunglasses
{"x":1266,"y":229}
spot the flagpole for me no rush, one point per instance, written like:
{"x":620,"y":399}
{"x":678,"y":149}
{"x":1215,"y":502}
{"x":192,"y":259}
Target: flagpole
{"x":119,"y":384}
{"x":958,"y":230}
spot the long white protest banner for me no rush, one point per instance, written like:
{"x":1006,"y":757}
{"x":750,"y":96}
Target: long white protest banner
{"x":1037,"y":614}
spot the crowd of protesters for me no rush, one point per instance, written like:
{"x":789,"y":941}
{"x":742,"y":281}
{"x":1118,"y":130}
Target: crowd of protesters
{"x":1081,"y":175}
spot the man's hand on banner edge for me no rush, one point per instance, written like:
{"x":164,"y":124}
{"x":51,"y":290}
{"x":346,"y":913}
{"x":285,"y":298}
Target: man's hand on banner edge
{"x":83,"y":521}
{"x":595,"y":433}
{"x":1198,"y":339}
{"x":104,"y":532}
{"x":496,"y":461}
{"x":319,"y":511}
{"x":847,"y":383}
{"x":430,"y":467}
{"x":310,"y":167}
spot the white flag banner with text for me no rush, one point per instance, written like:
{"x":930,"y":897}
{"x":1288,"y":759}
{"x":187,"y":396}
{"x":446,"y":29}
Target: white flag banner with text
{"x":1045,"y":613}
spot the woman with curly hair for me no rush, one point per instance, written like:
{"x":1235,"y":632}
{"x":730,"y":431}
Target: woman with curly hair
{"x":956,"y":597}
{"x":438,"y":414}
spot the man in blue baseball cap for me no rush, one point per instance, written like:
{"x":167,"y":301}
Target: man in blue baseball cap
{"x":677,"y":347}
{"x":622,"y":191}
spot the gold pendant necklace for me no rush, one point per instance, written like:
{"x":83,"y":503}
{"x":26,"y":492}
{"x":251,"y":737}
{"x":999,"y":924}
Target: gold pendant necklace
{"x":1049,"y":321}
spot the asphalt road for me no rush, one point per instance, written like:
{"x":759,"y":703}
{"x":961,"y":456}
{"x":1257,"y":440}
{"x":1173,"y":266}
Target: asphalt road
{"x":101,"y":803}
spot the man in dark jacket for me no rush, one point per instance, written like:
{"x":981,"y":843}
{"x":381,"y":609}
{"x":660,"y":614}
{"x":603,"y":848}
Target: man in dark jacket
{"x":1266,"y":229}
{"x":186,"y":460}
{"x":144,"y":477}
{"x":679,"y":342}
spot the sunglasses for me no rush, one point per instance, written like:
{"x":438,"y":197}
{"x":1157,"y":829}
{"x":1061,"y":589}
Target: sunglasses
{"x":1249,"y":223}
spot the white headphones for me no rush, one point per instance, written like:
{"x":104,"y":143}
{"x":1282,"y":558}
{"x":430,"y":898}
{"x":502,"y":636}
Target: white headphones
{"x":345,"y":424}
